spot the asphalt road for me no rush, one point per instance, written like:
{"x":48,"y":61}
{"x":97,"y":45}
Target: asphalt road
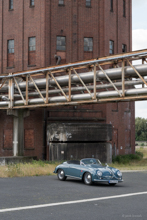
{"x":30,"y":193}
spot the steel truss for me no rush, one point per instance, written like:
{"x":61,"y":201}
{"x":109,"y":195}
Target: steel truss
{"x":97,"y":84}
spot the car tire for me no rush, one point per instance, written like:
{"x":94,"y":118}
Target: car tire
{"x":61,"y":175}
{"x":87,"y":179}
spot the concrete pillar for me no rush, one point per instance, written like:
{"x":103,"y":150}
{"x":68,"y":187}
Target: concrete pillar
{"x":15,"y":136}
{"x":18,"y":130}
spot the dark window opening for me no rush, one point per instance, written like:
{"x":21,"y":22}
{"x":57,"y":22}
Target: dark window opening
{"x":111,"y":5}
{"x":124,"y":48}
{"x":124,"y":8}
{"x":88,"y":44}
{"x":61,"y":43}
{"x":111,"y":47}
{"x":10,"y":4}
{"x":88,"y":3}
{"x":32,"y":2}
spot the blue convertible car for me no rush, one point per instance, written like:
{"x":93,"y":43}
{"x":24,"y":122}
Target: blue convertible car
{"x":89,"y":170}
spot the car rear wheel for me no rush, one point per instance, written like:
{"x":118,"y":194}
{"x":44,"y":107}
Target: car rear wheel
{"x":87,"y":179}
{"x":61,"y":175}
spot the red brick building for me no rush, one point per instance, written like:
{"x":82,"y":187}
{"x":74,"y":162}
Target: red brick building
{"x":32,"y":32}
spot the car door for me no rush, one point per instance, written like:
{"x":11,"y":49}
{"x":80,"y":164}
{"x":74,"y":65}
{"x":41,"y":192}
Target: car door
{"x":74,"y":170}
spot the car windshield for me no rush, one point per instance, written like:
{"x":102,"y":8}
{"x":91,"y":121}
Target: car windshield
{"x":90,"y":161}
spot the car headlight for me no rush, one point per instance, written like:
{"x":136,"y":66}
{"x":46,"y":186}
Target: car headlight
{"x":99,"y":173}
{"x":119,"y":173}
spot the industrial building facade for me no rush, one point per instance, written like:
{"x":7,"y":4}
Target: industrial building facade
{"x":34,"y":34}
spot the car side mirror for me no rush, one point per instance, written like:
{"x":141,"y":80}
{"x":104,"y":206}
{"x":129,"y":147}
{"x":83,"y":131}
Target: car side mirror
{"x":82,"y":163}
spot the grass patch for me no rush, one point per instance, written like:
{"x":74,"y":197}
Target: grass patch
{"x":125,"y":159}
{"x":35,"y":168}
{"x":137,"y":161}
{"x":40,"y":168}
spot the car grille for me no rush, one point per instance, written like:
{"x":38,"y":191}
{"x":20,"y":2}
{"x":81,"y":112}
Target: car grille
{"x":107,"y":177}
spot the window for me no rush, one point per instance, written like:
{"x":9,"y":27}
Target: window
{"x":111,"y":5}
{"x":124,"y":48}
{"x":61,"y":2}
{"x":32,"y":3}
{"x":111,"y":47}
{"x":32,"y":51}
{"x":10,"y":53}
{"x":88,"y":44}
{"x":124,"y":8}
{"x":88,"y":3}
{"x":10,"y":4}
{"x":61,"y":43}
{"x":32,"y":43}
{"x":10,"y":46}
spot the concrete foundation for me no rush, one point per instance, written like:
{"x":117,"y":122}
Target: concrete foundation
{"x":68,"y":151}
{"x":12,"y":160}
{"x":79,"y":140}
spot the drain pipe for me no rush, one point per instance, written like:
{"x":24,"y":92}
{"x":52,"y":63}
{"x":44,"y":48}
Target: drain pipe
{"x":58,"y":59}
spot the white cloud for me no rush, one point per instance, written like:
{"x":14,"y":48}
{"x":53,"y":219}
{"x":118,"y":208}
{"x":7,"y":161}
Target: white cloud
{"x":139,"y":14}
{"x":141,"y":109}
{"x":140,"y":42}
{"x":139,"y":39}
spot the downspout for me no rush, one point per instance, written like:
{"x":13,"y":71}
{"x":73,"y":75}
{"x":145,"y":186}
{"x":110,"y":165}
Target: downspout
{"x":58,"y":59}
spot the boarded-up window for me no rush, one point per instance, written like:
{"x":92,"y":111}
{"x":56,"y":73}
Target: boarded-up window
{"x":8,"y":139}
{"x":29,"y":138}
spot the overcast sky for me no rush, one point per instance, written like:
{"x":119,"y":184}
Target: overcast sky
{"x":139,"y":26}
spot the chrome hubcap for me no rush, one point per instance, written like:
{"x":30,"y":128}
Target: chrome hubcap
{"x":61,"y":174}
{"x":88,"y":178}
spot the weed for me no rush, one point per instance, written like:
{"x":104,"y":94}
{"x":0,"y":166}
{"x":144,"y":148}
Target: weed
{"x":14,"y":170}
{"x":126,"y":159}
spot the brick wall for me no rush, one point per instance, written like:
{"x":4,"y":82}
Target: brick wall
{"x":74,"y":20}
{"x":6,"y":134}
{"x":33,"y":134}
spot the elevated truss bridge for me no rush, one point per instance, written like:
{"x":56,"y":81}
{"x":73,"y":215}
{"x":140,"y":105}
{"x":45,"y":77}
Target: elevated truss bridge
{"x":107,"y":79}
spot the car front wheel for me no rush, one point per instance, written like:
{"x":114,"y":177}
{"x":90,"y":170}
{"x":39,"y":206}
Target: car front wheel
{"x":61,"y":175}
{"x":88,"y":179}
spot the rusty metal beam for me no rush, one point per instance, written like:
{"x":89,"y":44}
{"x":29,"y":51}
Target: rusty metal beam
{"x":69,"y":86}
{"x":37,"y":89}
{"x":123,"y":78}
{"x":137,"y":73}
{"x":82,"y":83}
{"x":59,"y":87}
{"x":19,"y":91}
{"x":109,"y":79}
